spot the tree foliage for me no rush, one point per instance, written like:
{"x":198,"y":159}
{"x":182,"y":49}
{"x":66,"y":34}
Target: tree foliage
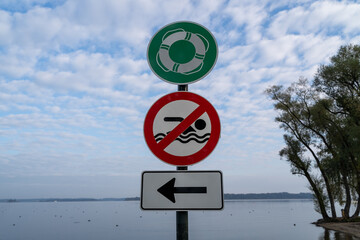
{"x":321,"y":121}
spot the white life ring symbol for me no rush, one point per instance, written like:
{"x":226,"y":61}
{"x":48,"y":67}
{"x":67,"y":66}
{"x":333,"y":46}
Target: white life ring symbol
{"x":195,"y":64}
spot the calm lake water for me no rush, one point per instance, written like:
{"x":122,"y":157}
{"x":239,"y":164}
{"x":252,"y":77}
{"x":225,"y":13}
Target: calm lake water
{"x":246,"y":219}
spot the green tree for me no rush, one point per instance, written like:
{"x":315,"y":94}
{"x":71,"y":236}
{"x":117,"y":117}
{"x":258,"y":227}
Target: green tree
{"x":322,"y":125}
{"x":340,"y":81}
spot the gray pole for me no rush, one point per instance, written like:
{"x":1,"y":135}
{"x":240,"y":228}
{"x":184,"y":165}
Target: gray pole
{"x":183,"y":87}
{"x":182,"y":232}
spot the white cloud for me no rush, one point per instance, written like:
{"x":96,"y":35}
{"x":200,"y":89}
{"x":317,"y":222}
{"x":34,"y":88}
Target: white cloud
{"x":249,"y":14}
{"x":5,"y":29}
{"x":75,"y":85}
{"x":17,"y":62}
{"x":79,"y":71}
{"x":325,"y":17}
{"x":21,"y":5}
{"x":95,"y":72}
{"x":295,"y":50}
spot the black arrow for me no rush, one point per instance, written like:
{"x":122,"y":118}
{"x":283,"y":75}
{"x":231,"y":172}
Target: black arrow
{"x":168,"y":190}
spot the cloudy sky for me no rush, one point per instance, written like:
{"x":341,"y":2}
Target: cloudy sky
{"x":75,"y":87}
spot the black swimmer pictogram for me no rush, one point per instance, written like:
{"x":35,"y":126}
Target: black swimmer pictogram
{"x":189,"y":134}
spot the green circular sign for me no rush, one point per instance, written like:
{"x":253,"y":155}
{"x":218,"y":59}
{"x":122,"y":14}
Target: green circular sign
{"x":182,"y":52}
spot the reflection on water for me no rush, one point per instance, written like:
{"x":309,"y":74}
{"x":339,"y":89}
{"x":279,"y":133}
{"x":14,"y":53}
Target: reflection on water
{"x":334,"y":235}
{"x":247,"y":219}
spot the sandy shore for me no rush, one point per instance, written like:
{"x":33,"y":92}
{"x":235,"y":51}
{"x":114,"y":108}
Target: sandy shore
{"x":352,"y":228}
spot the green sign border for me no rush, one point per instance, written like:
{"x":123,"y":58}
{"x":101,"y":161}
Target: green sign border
{"x":209,"y":60}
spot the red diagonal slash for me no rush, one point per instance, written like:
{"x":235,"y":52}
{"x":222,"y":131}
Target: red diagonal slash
{"x":181,"y":127}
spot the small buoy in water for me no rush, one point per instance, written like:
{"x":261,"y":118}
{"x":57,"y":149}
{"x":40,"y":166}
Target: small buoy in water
{"x":116,"y":225}
{"x":13,"y":224}
{"x":89,"y":220}
{"x":294,"y":224}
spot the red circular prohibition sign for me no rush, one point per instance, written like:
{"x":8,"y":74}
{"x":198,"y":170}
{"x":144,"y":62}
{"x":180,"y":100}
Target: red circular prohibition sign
{"x":157,"y":148}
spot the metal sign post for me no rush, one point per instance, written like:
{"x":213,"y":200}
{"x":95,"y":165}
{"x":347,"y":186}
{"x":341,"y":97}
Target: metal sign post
{"x":182,"y":128}
{"x":182,"y":217}
{"x":182,"y":230}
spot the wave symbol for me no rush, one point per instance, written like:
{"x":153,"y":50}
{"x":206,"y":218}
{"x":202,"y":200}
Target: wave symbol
{"x":185,"y":138}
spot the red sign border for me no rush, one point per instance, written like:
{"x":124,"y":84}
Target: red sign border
{"x":182,"y":160}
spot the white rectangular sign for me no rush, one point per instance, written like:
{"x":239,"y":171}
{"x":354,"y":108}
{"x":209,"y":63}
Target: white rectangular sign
{"x":182,"y":190}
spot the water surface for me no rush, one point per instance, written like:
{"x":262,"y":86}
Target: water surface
{"x":246,"y":219}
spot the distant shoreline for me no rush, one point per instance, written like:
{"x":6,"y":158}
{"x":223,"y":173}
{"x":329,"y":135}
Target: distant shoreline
{"x":227,"y":196}
{"x":281,"y":195}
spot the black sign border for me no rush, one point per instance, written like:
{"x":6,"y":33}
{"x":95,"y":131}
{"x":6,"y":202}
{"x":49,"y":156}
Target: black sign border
{"x":182,"y":209}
